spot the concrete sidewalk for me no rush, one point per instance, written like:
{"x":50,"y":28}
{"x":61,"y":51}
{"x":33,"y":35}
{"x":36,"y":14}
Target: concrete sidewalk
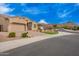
{"x":5,"y":46}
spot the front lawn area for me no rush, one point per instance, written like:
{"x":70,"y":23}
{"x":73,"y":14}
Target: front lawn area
{"x":51,"y":32}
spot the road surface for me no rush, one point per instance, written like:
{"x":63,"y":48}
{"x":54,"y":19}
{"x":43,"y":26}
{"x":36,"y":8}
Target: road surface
{"x":65,"y":30}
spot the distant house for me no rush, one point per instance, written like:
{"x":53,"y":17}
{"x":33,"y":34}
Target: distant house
{"x":45,"y":27}
{"x":69,"y":25}
{"x":8,"y":23}
{"x":41,"y":27}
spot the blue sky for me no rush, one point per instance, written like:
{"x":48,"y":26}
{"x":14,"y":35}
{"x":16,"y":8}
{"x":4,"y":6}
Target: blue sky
{"x":52,"y":13}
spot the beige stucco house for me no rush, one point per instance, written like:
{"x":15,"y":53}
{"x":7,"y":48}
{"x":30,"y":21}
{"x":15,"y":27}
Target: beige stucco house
{"x":9,"y":24}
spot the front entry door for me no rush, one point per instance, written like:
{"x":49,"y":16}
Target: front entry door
{"x":29,"y":25}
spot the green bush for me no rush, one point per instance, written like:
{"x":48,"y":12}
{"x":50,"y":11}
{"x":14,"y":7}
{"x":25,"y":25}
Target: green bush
{"x":24,"y":35}
{"x":74,"y":28}
{"x":78,"y":28}
{"x":12,"y":34}
{"x":51,"y":32}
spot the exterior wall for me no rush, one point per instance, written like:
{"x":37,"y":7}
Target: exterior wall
{"x":34,"y":26}
{"x":18,"y":20}
{"x":4,"y":22}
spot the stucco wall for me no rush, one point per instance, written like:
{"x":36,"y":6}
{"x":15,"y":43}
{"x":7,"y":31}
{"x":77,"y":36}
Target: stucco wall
{"x":18,"y":20}
{"x":4,"y":22}
{"x":34,"y":26}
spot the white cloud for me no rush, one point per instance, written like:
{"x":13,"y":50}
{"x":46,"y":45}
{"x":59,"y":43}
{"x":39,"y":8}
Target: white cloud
{"x":65,"y":13}
{"x":4,"y":9}
{"x":34,"y":10}
{"x":42,"y":21}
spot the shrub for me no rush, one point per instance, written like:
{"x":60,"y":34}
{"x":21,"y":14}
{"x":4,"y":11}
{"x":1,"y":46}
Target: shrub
{"x":74,"y":28}
{"x":78,"y":28}
{"x":12,"y":34}
{"x":24,"y":35}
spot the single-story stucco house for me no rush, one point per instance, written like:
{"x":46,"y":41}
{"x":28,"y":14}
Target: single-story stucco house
{"x":9,"y":24}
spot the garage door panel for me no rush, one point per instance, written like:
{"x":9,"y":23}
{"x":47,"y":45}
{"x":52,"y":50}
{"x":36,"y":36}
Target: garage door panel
{"x":17,"y":27}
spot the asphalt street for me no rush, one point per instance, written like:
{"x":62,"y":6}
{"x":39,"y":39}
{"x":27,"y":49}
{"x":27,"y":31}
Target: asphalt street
{"x":59,"y":46}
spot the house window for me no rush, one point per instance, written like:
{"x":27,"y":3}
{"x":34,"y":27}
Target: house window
{"x":6,"y":19}
{"x":30,"y":24}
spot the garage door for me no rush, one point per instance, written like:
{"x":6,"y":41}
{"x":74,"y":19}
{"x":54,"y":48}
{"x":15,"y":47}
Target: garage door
{"x":17,"y":27}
